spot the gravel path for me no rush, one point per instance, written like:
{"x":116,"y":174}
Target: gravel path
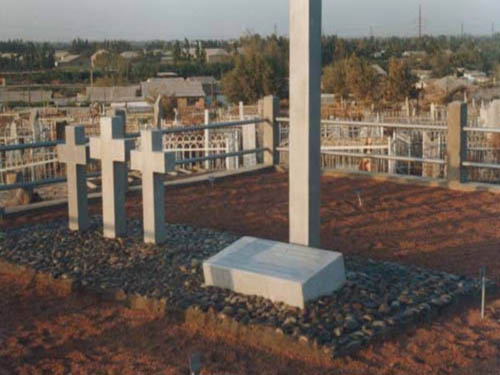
{"x":379,"y":297}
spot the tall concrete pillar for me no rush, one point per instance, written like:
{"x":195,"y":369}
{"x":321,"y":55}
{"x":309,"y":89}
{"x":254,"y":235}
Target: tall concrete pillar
{"x":305,"y":121}
{"x":457,"y":142}
{"x":270,"y":107}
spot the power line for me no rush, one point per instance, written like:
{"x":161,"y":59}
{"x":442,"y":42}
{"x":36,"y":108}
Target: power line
{"x":420,"y":21}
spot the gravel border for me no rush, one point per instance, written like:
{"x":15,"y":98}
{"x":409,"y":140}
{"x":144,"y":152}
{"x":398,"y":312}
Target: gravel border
{"x":378,"y":300}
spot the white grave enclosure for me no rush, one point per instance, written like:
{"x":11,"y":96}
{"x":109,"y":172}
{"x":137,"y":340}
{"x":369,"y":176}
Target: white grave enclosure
{"x":281,"y":272}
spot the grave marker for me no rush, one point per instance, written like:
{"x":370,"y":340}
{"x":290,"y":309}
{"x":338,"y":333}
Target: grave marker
{"x":153,"y":163}
{"x":75,"y":154}
{"x":290,"y":273}
{"x":281,"y":272}
{"x":305,"y":117}
{"x":113,"y":150}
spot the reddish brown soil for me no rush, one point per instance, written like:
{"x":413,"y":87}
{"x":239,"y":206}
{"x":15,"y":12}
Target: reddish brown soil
{"x":42,"y":332}
{"x":431,"y":227}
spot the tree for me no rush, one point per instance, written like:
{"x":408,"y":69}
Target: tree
{"x":400,"y":81}
{"x":114,"y":67}
{"x":187,"y":49}
{"x":177,"y":52}
{"x":335,"y":80}
{"x":441,"y":65}
{"x":201,"y":55}
{"x":168,"y":104}
{"x":261,"y":70}
{"x":361,"y":78}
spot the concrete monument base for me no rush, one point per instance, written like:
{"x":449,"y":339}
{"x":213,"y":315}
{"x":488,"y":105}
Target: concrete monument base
{"x":278,"y":271}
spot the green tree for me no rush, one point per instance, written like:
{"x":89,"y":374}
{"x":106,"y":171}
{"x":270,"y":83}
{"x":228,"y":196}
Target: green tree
{"x":334,"y":79}
{"x":201,"y":55}
{"x":187,"y":50}
{"x":261,"y":70}
{"x":177,"y":52}
{"x":361,"y":79}
{"x":113,"y":66}
{"x":441,"y":65}
{"x":400,"y":81}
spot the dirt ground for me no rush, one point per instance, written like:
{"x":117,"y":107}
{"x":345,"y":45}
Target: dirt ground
{"x":42,"y":332}
{"x":430,"y":227}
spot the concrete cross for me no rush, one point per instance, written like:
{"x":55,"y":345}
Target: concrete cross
{"x":114,"y":152}
{"x":75,"y":154}
{"x":153,"y":163}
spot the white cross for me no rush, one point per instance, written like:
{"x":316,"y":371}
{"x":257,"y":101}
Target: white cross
{"x":114,"y":152}
{"x":75,"y":154}
{"x":153,"y":163}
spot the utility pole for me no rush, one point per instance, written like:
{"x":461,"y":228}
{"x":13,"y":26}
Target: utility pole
{"x":492,"y":29}
{"x":420,"y":21}
{"x":371,"y":32}
{"x":462,"y":30}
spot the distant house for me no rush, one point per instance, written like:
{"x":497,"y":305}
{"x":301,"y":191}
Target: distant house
{"x":70,"y":60}
{"x":449,"y":83}
{"x":167,"y":57}
{"x":414,"y":54}
{"x":134,"y":107}
{"x":423,"y":77}
{"x":210,"y":85}
{"x":61,"y":54}
{"x":378,"y":69}
{"x":213,"y":55}
{"x":475,"y":76}
{"x":9,"y":55}
{"x":216,"y":55}
{"x":95,"y":55}
{"x":167,"y":75}
{"x":25,"y":96}
{"x":130,"y":55}
{"x":112,"y":94}
{"x":187,"y":92}
{"x":486,"y":94}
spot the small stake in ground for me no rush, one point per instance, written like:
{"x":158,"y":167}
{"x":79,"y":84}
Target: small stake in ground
{"x":195,"y":364}
{"x":483,"y":290}
{"x":211,"y":180}
{"x":358,"y":193}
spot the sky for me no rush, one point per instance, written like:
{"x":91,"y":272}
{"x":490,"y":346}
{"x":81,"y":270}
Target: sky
{"x":63,"y":20}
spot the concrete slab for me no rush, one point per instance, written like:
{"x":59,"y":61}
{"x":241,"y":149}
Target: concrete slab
{"x":281,"y":272}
